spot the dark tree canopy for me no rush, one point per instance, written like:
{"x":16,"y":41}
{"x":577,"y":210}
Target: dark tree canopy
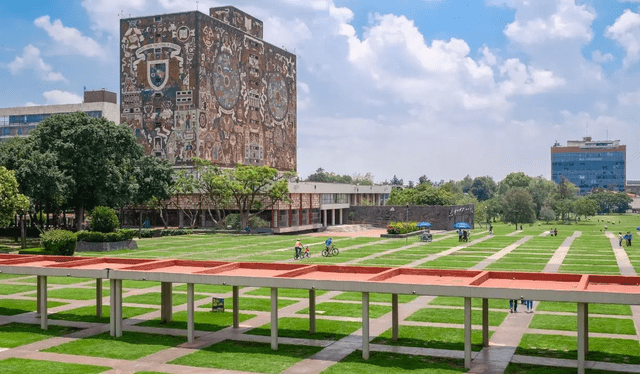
{"x":518,"y":207}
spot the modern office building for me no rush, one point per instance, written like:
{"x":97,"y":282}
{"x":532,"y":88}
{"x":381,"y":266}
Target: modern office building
{"x":633,"y":186}
{"x":590,"y":164}
{"x":202,"y":85}
{"x":20,"y":120}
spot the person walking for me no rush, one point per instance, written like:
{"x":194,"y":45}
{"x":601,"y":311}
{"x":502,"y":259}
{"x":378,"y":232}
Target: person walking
{"x":490,"y":229}
{"x":555,"y":232}
{"x":620,"y":239}
{"x":513,"y":306}
{"x":459,"y":235}
{"x":529,"y":305}
{"x":298,"y":248}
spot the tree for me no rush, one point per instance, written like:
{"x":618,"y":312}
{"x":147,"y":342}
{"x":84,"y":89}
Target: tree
{"x":547,"y":214}
{"x":541,"y":190}
{"x":423,"y":179}
{"x":11,"y":200}
{"x":97,"y":156}
{"x":396,"y":182}
{"x":483,"y":188}
{"x":214,"y":182}
{"x":518,"y":207}
{"x":513,"y":180}
{"x":187,"y":197}
{"x":494,"y":208}
{"x":154,"y":177}
{"x":465,"y":184}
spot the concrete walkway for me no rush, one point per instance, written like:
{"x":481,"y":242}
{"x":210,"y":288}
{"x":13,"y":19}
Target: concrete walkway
{"x":558,"y":256}
{"x":446,"y":252}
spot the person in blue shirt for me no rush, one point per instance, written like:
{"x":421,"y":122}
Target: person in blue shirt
{"x":328,"y":243}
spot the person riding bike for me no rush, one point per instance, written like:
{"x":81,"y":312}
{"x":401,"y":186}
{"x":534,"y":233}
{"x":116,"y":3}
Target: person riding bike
{"x":298,"y":247}
{"x":328,"y":243}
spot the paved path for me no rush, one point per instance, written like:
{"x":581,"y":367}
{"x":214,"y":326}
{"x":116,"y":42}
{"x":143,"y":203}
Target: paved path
{"x":558,"y":256}
{"x":446,"y":252}
{"x":498,"y":255}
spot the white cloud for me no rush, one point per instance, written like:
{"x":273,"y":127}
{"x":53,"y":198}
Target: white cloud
{"x":69,"y":37}
{"x":599,"y":57}
{"x":542,"y":21}
{"x":289,"y":34}
{"x":31,"y":60}
{"x":629,"y":98}
{"x":58,"y":97}
{"x":626,"y":32}
{"x":105,"y":14}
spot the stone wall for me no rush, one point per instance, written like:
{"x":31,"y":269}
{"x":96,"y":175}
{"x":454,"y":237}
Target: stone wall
{"x":440,"y":217}
{"x":105,"y":246}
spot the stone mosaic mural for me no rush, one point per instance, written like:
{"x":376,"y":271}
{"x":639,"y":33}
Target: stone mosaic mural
{"x":209,"y":86}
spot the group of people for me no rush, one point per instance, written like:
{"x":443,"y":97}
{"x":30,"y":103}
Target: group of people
{"x":627,"y":238}
{"x":553,"y":232}
{"x":463,"y":235}
{"x":298,"y":247}
{"x":513,"y":305}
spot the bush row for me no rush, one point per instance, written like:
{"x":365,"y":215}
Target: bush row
{"x":98,"y":237}
{"x":58,"y":242}
{"x":398,"y":228}
{"x":149,"y":233}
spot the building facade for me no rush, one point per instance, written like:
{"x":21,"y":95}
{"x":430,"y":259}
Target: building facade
{"x":208,"y":86}
{"x":590,"y":164}
{"x":20,"y":121}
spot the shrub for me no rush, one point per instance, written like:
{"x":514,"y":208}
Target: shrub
{"x":175,"y":232}
{"x":58,"y":242}
{"x":399,"y":228}
{"x":146,"y":233}
{"x":99,"y":237}
{"x":103,"y":219}
{"x":234,"y":221}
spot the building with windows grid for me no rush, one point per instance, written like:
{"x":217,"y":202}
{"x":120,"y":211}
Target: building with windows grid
{"x":590,"y":164}
{"x":19,"y":121}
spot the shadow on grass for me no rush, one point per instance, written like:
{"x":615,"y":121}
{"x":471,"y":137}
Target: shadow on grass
{"x":537,"y":369}
{"x":421,"y":343}
{"x":386,"y":362}
{"x":9,"y":307}
{"x":573,"y":355}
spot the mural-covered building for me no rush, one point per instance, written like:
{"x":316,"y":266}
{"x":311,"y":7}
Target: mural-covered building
{"x":590,"y":164}
{"x":208,"y":86}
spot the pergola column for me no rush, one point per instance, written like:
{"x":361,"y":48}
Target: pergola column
{"x":166,"y":304}
{"x":365,"y":325}
{"x":236,"y":307}
{"x":312,"y":311}
{"x":333,"y":217}
{"x":190,"y":313}
{"x":467,"y":333}
{"x":274,"y":318}
{"x":583,"y":335}
{"x":42,"y":301}
{"x":112,"y":308}
{"x":180,"y":219}
{"x":485,"y":322}
{"x":340,"y":216}
{"x":324,"y":217}
{"x":118,"y":292}
{"x":394,"y":316}
{"x":99,"y":297}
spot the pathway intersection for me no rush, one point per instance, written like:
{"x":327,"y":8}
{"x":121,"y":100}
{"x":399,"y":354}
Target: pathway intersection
{"x":492,"y":359}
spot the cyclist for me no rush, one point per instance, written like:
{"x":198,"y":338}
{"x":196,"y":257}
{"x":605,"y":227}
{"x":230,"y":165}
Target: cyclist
{"x":298,"y":248}
{"x":328,"y":243}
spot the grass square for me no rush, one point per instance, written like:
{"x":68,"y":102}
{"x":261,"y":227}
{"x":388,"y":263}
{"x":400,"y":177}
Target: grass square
{"x":10,"y":289}
{"x":610,"y":309}
{"x":131,"y":346}
{"x":431,"y":337}
{"x":247,"y":356}
{"x":133,"y":284}
{"x":88,"y":314}
{"x":596,"y":324}
{"x":206,"y":288}
{"x":16,"y":334}
{"x":23,"y":365}
{"x":387,"y":362}
{"x":539,"y":369}
{"x":61,"y":280}
{"x":285,"y":292}
{"x":154,"y":298}
{"x":299,"y":328}
{"x":9,"y":307}
{"x":442,"y":315}
{"x":255,"y":304}
{"x":203,"y":321}
{"x":624,"y":351}
{"x":374,"y":297}
{"x":347,"y":310}
{"x":475,"y":303}
{"x":73,"y":293}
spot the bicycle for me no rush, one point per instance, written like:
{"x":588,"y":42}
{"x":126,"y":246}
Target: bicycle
{"x":304,"y":254}
{"x":331,"y":251}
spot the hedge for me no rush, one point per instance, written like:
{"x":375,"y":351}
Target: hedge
{"x":99,"y":237}
{"x":58,"y":242}
{"x":398,"y":228}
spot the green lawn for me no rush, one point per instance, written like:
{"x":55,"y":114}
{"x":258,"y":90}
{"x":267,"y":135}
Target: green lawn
{"x":10,"y":307}
{"x":132,"y":284}
{"x":600,"y":349}
{"x":347,"y":310}
{"x":299,"y":328}
{"x":9,"y":289}
{"x":537,"y":369}
{"x":386,"y":362}
{"x":247,"y":356}
{"x":22,"y":365}
{"x":16,"y":334}
{"x":285,"y":292}
{"x":596,"y":324}
{"x":131,"y":346}
{"x":205,"y":288}
{"x":442,"y":315}
{"x":88,"y":314}
{"x":611,"y":309}
{"x":203,"y":321}
{"x":153,"y":298}
{"x":475,"y":303}
{"x":374,"y":297}
{"x":431,"y":337}
{"x":74,"y":293}
{"x":63,"y":280}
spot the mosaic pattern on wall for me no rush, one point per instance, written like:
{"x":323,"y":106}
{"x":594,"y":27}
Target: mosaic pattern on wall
{"x":209,"y":86}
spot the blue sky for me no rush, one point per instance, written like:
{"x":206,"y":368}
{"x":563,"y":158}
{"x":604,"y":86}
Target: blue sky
{"x":442,"y":88}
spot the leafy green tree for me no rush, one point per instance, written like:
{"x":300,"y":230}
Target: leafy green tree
{"x":11,"y":200}
{"x":103,"y":219}
{"x":154,"y":177}
{"x":586,"y":207}
{"x":547,"y":214}
{"x":483,"y":188}
{"x":541,"y":191}
{"x":518,"y":207}
{"x":513,"y":180}
{"x":396,"y":182}
{"x":423,"y":179}
{"x":610,"y":202}
{"x":186,"y":195}
{"x":566,"y":189}
{"x":97,"y":156}
{"x":494,"y":208}
{"x":465,"y":184}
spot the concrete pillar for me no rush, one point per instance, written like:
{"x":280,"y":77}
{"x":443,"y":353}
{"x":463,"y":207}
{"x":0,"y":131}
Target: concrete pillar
{"x":118,"y":307}
{"x":485,"y":322}
{"x":112,"y":308}
{"x":312,"y":311}
{"x":333,"y":217}
{"x":190,"y":313}
{"x":274,"y":318}
{"x":99,"y":297}
{"x":340,"y":216}
{"x":324,"y":217}
{"x":365,"y":325}
{"x":166,"y":304}
{"x":586,"y":329}
{"x":38,"y":296}
{"x":394,"y":316}
{"x":236,"y":307}
{"x":203,"y":218}
{"x":467,"y":333}
{"x":42,"y":302}
{"x":180,"y":219}
{"x":582,"y":336}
